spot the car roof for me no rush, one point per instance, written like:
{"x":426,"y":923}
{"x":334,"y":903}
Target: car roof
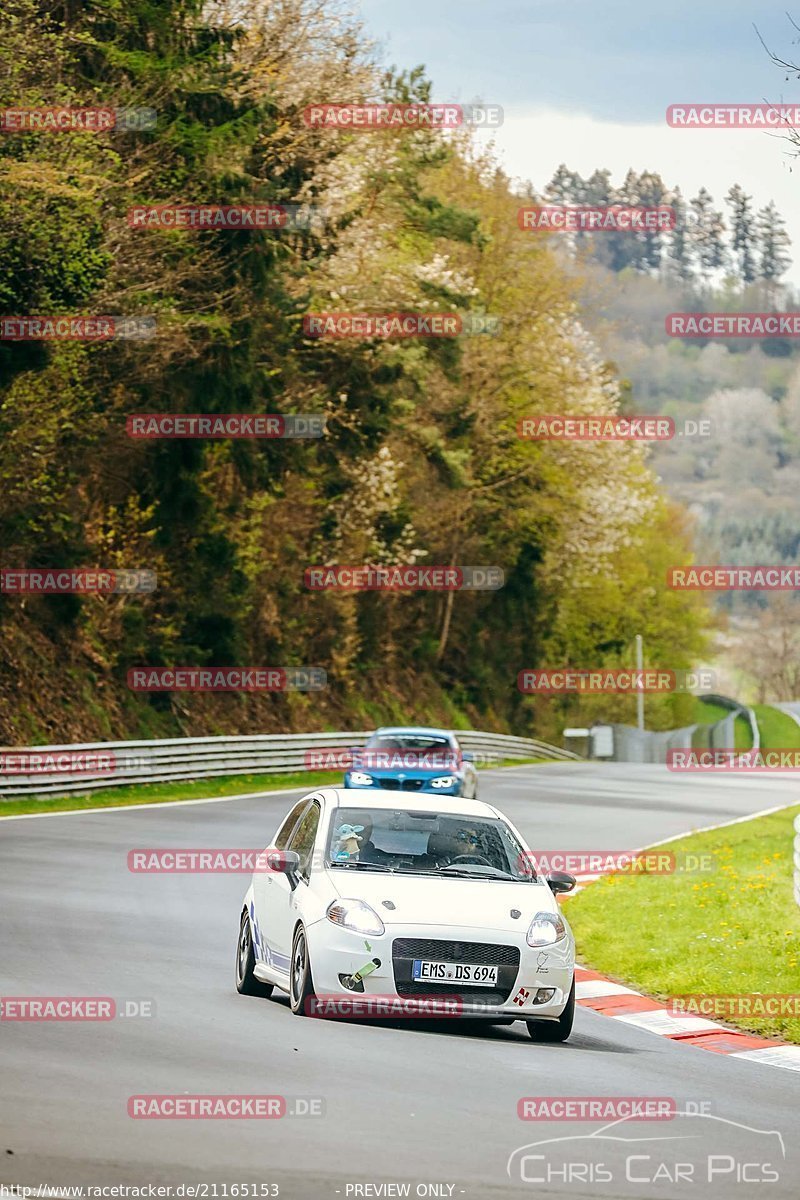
{"x":415,"y":729}
{"x":419,"y":801}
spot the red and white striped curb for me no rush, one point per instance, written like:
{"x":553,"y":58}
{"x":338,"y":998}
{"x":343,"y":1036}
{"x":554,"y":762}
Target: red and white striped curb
{"x":594,"y":991}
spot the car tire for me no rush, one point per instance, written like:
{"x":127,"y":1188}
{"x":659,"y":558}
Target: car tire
{"x":555,"y":1031}
{"x":301,"y":983}
{"x":246,"y":982}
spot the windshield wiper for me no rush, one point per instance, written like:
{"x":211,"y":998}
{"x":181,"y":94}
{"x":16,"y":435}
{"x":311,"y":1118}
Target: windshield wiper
{"x":464,"y":873}
{"x":364,"y":866}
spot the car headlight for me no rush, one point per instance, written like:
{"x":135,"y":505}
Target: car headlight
{"x":355,"y":915}
{"x":360,"y":777}
{"x":444,"y":781}
{"x":545,"y":929}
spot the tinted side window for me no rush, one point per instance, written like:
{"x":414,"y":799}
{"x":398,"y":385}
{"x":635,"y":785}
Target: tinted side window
{"x":305,"y":834}
{"x":288,"y":825}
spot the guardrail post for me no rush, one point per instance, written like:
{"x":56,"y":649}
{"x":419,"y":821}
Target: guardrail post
{"x":797,"y":859}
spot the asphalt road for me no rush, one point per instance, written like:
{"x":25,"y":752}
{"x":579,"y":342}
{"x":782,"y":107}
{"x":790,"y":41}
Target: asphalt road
{"x":433,"y":1105}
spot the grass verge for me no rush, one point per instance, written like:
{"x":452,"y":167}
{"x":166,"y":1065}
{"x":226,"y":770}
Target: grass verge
{"x":778,"y":731}
{"x":732,"y":928}
{"x":157,"y":793}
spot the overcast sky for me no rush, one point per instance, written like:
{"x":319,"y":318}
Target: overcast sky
{"x":588,"y":84}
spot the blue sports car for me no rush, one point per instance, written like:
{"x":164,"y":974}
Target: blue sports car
{"x":409,"y":759}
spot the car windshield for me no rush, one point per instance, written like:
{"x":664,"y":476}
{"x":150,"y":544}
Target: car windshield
{"x":411,"y":750}
{"x":407,"y":841}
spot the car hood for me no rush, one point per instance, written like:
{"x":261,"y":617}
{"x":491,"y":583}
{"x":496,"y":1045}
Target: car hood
{"x":484,"y":904}
{"x":408,"y":772}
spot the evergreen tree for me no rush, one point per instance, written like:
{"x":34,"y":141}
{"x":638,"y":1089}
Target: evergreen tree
{"x":678,"y":260}
{"x":563,"y":187}
{"x":651,"y":192}
{"x":707,"y":235}
{"x":743,"y":233}
{"x":773,"y":243}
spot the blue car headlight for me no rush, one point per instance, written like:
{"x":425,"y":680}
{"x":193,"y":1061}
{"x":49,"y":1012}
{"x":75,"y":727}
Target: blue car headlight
{"x":360,"y":778}
{"x":444,"y":781}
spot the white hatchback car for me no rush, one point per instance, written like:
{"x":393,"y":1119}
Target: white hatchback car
{"x":408,"y":897}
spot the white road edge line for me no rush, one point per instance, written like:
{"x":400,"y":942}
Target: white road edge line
{"x":769,"y":1055}
{"x":117,"y":808}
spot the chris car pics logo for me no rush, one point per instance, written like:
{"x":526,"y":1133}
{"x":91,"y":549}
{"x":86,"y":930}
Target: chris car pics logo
{"x":695,"y":1148}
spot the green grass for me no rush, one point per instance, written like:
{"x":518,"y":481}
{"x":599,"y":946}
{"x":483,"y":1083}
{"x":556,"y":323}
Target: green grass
{"x":157,"y":793}
{"x":742,"y":734}
{"x":731,"y":929}
{"x":706,"y":713}
{"x":196,"y":789}
{"x":778,"y":731}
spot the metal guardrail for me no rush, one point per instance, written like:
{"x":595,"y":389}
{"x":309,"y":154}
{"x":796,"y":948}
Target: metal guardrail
{"x":723,"y":736}
{"x":645,"y":746}
{"x":114,"y":764}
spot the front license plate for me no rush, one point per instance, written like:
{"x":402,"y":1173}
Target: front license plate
{"x":443,"y":972}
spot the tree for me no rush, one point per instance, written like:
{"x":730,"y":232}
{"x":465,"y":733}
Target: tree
{"x":707,"y":235}
{"x":743,"y":233}
{"x":651,"y":193}
{"x":679,"y":252}
{"x":773,"y":244}
{"x":563,"y":187}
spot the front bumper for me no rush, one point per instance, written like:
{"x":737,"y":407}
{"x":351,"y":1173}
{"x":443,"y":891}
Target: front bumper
{"x":339,"y":953}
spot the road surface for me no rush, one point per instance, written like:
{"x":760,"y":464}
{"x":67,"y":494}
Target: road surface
{"x":433,"y":1107}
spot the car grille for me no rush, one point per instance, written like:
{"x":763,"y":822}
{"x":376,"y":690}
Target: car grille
{"x":402,"y":785}
{"x":485,"y":953}
{"x":405,"y":950}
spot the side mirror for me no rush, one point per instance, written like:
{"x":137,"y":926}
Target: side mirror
{"x":560,"y":881}
{"x":285,"y":862}
{"x":288,"y":862}
{"x":467,"y":756}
